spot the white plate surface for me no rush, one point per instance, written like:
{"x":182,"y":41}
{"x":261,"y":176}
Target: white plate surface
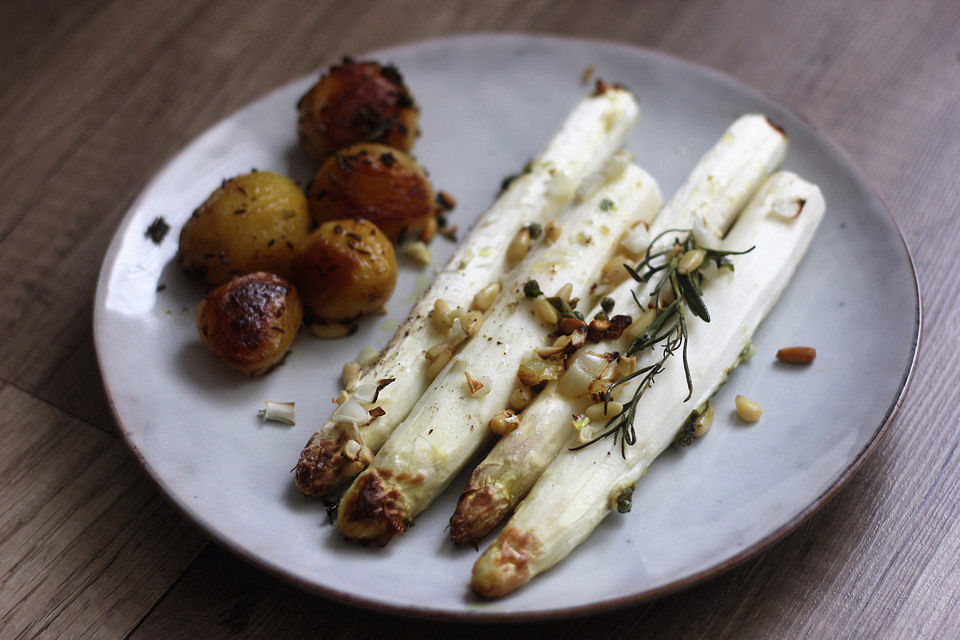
{"x":489,"y":103}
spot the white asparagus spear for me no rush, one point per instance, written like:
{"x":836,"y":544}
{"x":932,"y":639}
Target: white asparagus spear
{"x":580,"y":487}
{"x":717,"y":189}
{"x":450,"y":421}
{"x":594,"y":130}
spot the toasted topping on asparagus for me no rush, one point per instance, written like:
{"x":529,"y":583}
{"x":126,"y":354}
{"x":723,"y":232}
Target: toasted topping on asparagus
{"x":598,"y":479}
{"x":738,"y":164}
{"x":446,"y":426}
{"x":591,"y":133}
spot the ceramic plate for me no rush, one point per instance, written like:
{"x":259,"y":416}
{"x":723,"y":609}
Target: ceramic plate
{"x":490,"y":102}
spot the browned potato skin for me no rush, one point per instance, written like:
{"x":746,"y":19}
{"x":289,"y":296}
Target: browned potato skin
{"x":376,"y":183}
{"x":345,"y":268}
{"x":356,"y":102}
{"x":250,"y":322}
{"x":253,"y":222}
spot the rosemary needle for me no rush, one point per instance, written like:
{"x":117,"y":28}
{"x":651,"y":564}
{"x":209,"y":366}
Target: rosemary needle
{"x":668,"y":329}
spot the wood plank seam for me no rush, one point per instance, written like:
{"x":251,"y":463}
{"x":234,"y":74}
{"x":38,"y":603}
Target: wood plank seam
{"x":163,"y":596}
{"x":87,"y":423}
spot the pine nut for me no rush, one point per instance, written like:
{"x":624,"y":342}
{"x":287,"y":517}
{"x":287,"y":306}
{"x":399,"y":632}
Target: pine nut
{"x":559,"y":346}
{"x":640,"y":325}
{"x":504,"y":422}
{"x":625,"y":365}
{"x":418,"y":252}
{"x":613,"y":271}
{"x":565,"y":292}
{"x":691,"y":260}
{"x":441,"y":315}
{"x":350,"y":372}
{"x":551,"y":233}
{"x":485,"y":297}
{"x":545,"y":312}
{"x":596,"y":413}
{"x":747,"y":409}
{"x":429,"y":229}
{"x":518,"y":247}
{"x":439,"y":362}
{"x":436,"y":350}
{"x":329,"y":330}
{"x":702,"y":425}
{"x":471,"y":322}
{"x":520,"y":398}
{"x":797,"y":355}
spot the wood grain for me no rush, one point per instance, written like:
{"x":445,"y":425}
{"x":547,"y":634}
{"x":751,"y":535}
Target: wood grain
{"x":96,"y":94}
{"x":86,"y":544}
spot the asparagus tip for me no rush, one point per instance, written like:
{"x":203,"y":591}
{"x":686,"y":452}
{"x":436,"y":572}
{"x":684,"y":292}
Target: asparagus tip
{"x":370,"y":513}
{"x":505,"y":566}
{"x":478,"y":511}
{"x":324,"y":465}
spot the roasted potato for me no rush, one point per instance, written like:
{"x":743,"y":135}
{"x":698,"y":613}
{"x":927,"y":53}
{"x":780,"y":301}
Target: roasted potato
{"x":376,"y":183}
{"x":345,"y":268}
{"x":250,"y":322}
{"x":356,"y":102}
{"x":253,"y":222}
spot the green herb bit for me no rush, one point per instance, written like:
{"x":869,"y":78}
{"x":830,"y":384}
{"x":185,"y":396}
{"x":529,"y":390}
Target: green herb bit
{"x":562,"y":306}
{"x":607,"y":304}
{"x":535,"y":230}
{"x":691,"y":295}
{"x":649,"y":335}
{"x":723,"y":262}
{"x":606,"y":204}
{"x":532,"y":289}
{"x":508,"y":180}
{"x":625,"y":499}
{"x":157,"y":230}
{"x":668,"y":329}
{"x":685,"y":435}
{"x":633,"y":273}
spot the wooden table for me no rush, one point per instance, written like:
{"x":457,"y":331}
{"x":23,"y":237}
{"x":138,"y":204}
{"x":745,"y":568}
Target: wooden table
{"x":96,"y":94}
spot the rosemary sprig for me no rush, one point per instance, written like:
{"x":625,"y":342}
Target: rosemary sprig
{"x":669,"y":328}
